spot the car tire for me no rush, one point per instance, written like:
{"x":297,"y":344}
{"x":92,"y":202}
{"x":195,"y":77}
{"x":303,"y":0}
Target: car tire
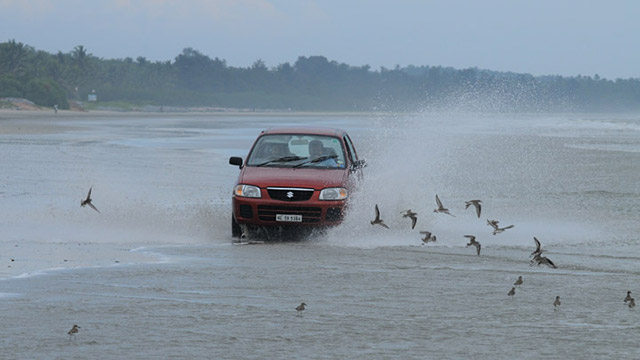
{"x":236,"y":232}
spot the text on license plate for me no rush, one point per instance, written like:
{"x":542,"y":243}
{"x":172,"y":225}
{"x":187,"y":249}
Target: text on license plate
{"x":289,"y":218}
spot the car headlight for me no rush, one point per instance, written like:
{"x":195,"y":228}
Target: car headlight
{"x":333,"y":194}
{"x":247,"y":191}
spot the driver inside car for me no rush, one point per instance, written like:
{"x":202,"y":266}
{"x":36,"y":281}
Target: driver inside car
{"x":316,"y":150}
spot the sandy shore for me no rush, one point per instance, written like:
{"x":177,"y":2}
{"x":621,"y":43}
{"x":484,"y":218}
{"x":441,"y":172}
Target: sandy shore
{"x":43,"y":121}
{"x":29,"y":258}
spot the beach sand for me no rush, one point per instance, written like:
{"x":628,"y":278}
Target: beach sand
{"x":29,"y":257}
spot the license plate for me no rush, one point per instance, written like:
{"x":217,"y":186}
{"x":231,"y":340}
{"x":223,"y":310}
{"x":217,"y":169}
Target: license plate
{"x":288,"y":218}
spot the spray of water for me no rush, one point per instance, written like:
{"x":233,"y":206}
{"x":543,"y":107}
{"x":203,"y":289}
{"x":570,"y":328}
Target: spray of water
{"x":459,"y":156}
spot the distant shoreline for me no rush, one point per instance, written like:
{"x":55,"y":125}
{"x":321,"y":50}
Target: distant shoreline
{"x":24,"y":108}
{"x":46,"y":120}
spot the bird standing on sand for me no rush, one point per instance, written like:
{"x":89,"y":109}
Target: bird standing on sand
{"x":412,"y":215}
{"x":73,"y":331}
{"x":441,"y":209}
{"x":496,"y":228}
{"x":628,"y":298}
{"x":428,"y":237}
{"x":377,"y":220}
{"x":476,"y":204}
{"x":519,"y":281}
{"x":557,"y":303}
{"x":300,"y":308}
{"x":472,"y":241}
{"x":511,"y":292}
{"x":88,"y":201}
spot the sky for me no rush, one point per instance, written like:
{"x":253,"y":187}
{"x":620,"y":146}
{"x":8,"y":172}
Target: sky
{"x":539,"y":37}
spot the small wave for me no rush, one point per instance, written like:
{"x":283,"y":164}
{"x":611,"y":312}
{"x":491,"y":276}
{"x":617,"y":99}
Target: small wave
{"x":9,"y":295}
{"x":631,"y":147}
{"x":39,"y":272}
{"x":601,"y":124}
{"x":160,"y":257}
{"x":595,"y":193}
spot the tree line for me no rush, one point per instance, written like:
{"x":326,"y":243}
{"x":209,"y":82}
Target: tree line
{"x":311,"y":83}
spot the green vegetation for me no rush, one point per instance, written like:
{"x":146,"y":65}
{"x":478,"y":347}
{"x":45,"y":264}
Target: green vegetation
{"x":311,"y":83}
{"x":6,"y":105}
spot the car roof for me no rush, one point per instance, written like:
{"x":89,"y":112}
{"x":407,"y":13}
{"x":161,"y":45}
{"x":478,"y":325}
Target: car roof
{"x":314,"y":130}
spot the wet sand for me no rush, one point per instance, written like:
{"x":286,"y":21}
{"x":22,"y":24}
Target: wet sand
{"x":155,"y":273}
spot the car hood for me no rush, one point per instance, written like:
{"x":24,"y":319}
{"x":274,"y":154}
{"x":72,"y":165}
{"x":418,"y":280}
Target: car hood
{"x":288,"y":177}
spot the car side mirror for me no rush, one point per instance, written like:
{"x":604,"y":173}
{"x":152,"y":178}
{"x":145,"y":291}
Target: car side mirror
{"x":359,"y":164}
{"x":236,"y":160}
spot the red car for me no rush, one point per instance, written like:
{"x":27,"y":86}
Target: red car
{"x":296,"y":177}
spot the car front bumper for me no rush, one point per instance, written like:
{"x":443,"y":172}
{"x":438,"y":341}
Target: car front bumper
{"x":263,"y":212}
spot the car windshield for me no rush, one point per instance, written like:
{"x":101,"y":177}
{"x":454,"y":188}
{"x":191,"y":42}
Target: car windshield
{"x":299,"y":151}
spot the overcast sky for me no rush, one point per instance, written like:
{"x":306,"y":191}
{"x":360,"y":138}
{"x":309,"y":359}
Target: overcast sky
{"x":540,"y":37}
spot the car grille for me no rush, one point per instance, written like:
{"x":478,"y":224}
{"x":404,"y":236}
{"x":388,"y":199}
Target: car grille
{"x":290,"y":194}
{"x":309,"y":214}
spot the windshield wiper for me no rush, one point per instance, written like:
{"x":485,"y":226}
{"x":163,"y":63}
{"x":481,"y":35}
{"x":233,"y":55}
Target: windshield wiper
{"x":282,"y":160}
{"x":316,"y":160}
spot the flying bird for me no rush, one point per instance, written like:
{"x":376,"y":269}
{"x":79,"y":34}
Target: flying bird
{"x":557,"y":303}
{"x":441,"y":209}
{"x":300,"y":308}
{"x":496,"y":228}
{"x":89,"y":201}
{"x":472,"y":241}
{"x":542,"y":260}
{"x":412,"y":215}
{"x":377,"y":220}
{"x":538,"y":249}
{"x":428,"y":237}
{"x":519,"y":281}
{"x":476,"y":204}
{"x":73,"y":331}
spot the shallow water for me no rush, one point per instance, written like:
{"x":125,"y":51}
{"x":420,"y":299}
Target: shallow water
{"x":155,"y":274}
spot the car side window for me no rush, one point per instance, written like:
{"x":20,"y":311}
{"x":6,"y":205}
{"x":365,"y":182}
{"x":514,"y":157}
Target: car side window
{"x":350,"y":149}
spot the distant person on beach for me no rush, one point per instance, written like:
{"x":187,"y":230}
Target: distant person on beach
{"x":55,"y":108}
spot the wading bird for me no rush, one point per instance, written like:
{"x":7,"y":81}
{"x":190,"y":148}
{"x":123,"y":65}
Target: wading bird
{"x":519,"y":281}
{"x":73,"y":331}
{"x":300,"y":309}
